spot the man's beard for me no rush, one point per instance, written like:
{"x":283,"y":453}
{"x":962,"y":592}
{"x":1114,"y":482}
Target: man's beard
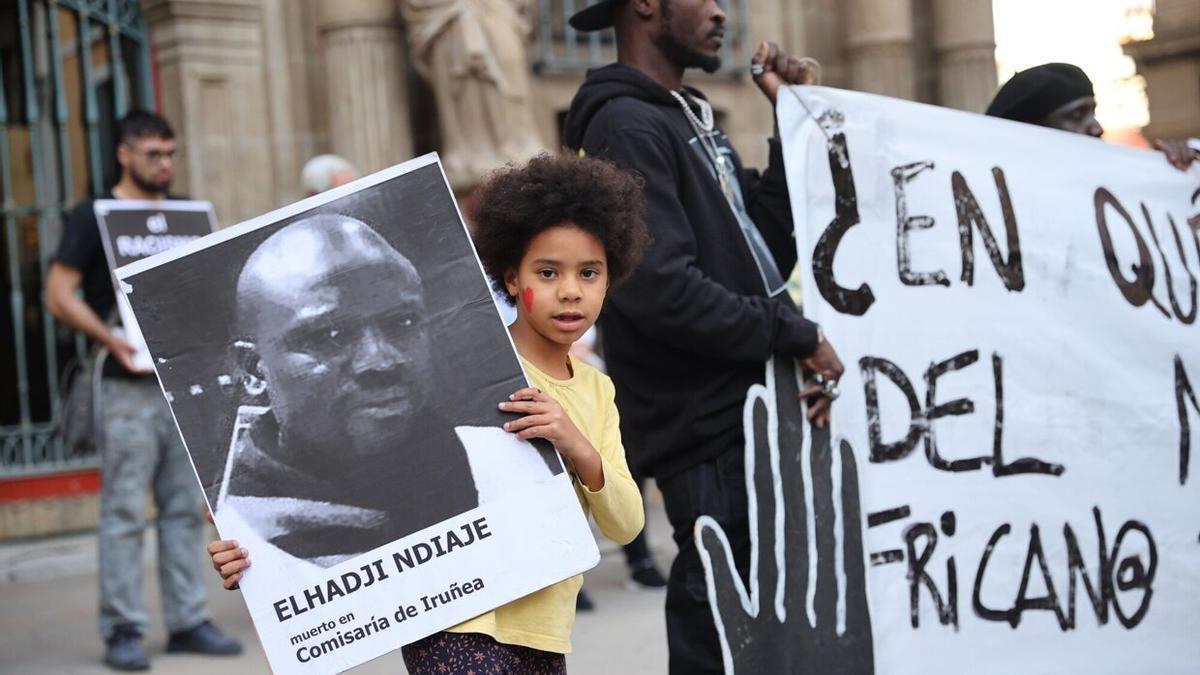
{"x":157,"y":187}
{"x":681,"y":55}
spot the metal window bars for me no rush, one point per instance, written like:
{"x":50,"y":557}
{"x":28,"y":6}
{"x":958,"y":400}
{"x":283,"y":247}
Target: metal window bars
{"x":70,"y":69}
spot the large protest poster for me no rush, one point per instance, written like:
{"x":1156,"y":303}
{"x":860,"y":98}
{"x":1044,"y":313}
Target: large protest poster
{"x":334,"y":368}
{"x":133,"y":229}
{"x":1016,"y":310}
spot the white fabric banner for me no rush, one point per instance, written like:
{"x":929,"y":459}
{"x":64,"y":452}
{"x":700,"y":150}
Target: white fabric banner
{"x":1016,"y":310}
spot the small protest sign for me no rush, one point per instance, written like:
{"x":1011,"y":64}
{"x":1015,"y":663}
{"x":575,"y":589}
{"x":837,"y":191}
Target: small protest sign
{"x":131,"y":230}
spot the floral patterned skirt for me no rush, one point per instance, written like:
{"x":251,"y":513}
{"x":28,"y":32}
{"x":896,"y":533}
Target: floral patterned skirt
{"x":477,"y":654}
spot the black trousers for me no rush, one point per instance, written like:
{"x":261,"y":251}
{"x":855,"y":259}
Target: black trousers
{"x":716,"y":488}
{"x":637,"y":552}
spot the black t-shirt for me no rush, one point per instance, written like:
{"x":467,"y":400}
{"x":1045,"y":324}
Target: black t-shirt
{"x":82,"y":250}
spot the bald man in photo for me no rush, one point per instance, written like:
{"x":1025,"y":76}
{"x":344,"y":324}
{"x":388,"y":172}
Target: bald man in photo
{"x":348,"y":455}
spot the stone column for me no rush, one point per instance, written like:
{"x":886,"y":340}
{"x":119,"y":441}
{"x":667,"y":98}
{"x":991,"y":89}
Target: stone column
{"x":365,"y":88}
{"x":879,"y":37}
{"x":210,"y":66}
{"x":289,"y":96}
{"x":1170,"y":62}
{"x":965,"y":45}
{"x":817,"y":31}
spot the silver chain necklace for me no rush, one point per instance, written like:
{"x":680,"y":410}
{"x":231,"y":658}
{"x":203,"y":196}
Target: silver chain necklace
{"x":705,"y":111}
{"x":703,"y":126}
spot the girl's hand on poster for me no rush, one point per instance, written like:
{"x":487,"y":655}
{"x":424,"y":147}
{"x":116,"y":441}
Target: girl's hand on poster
{"x":543,"y":417}
{"x":229,"y":560}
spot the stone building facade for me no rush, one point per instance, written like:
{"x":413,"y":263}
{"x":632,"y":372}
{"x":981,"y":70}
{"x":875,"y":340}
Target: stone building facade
{"x":256,"y":87}
{"x":1170,"y":62}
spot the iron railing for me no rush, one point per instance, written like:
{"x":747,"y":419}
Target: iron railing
{"x":70,"y":69}
{"x":561,"y":48}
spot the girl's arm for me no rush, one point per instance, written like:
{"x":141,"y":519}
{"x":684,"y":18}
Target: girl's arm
{"x":617,"y":508}
{"x":611,"y":494}
{"x":543,"y":417}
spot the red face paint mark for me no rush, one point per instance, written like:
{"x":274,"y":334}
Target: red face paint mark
{"x":527,"y":298}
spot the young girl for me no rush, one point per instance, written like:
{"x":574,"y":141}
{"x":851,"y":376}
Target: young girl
{"x":553,"y":235}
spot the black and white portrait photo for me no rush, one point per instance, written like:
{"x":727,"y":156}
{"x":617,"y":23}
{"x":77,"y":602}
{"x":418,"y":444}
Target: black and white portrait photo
{"x":335,"y":371}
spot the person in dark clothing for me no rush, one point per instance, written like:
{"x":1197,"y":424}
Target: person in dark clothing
{"x":643,"y":572}
{"x":1061,"y":96}
{"x":691,"y":330}
{"x":140,"y":447}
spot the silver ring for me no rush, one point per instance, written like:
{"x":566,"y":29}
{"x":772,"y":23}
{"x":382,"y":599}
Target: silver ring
{"x":757,"y":69}
{"x":829,"y":387}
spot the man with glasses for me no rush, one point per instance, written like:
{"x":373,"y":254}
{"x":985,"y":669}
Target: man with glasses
{"x":140,"y":448}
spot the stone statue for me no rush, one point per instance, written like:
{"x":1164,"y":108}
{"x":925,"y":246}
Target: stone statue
{"x":472,"y":52}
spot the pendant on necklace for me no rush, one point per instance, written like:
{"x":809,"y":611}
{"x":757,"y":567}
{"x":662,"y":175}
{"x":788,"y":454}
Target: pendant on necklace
{"x":720,"y":163}
{"x":725,"y":186}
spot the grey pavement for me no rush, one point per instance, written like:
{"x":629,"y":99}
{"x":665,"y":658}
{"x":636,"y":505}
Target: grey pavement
{"x":48,"y":594}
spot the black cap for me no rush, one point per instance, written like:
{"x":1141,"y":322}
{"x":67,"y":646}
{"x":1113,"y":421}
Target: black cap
{"x":1032,"y":94}
{"x":599,"y":16}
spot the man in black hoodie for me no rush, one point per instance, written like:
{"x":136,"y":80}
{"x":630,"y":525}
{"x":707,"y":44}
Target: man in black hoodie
{"x":690,"y":332}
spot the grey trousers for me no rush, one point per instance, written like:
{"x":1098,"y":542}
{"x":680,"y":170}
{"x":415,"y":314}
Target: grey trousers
{"x":141,"y":451}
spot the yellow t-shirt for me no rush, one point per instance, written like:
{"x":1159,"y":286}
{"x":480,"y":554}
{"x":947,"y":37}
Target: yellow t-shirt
{"x":543,"y":620}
